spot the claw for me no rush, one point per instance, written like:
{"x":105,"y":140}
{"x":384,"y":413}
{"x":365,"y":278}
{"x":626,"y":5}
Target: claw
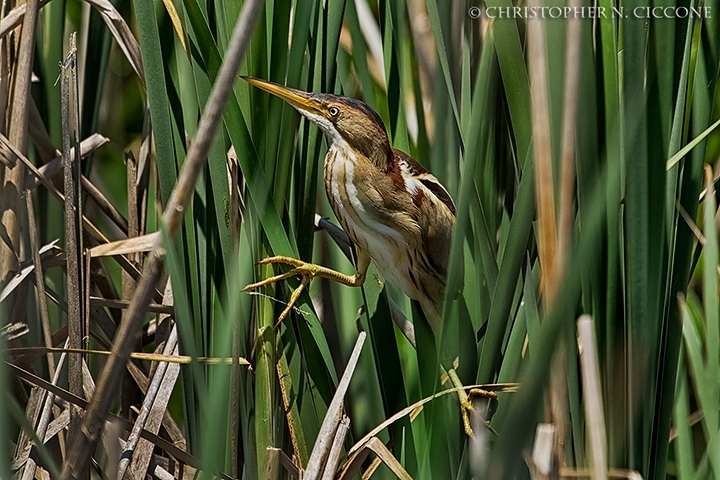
{"x":307,"y":271}
{"x":465,"y":398}
{"x":293,"y":299}
{"x":467,"y":408}
{"x":272,"y":280}
{"x":479,"y":392}
{"x":303,"y":269}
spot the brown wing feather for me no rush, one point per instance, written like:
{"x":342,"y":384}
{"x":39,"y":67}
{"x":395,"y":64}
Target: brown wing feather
{"x":426,"y":178}
{"x":436,"y":223}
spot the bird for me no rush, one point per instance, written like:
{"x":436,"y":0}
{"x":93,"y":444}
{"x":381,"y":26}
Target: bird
{"x":395,"y":212}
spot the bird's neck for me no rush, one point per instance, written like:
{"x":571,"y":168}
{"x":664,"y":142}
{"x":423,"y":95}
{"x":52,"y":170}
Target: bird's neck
{"x":374,"y":147}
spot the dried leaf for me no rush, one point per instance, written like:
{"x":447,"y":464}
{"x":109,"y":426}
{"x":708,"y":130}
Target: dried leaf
{"x":12,"y":331}
{"x":177,"y":24}
{"x":151,"y":357}
{"x":52,"y":168}
{"x":7,"y":155}
{"x":143,"y":243}
{"x":388,"y":458}
{"x":352,"y":467}
{"x":25,"y":270}
{"x":122,"y":34}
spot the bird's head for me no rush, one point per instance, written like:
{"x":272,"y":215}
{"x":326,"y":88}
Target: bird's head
{"x":345,"y":121}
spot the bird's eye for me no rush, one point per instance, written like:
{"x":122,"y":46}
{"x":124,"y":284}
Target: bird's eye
{"x":334,"y":111}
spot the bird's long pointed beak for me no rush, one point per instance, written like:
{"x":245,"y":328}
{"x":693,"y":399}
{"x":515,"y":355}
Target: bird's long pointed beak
{"x":297,"y":98}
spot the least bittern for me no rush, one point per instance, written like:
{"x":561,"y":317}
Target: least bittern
{"x":394,"y":211}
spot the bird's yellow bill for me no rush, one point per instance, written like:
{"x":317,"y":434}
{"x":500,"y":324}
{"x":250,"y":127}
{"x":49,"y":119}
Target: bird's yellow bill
{"x":296,"y":98}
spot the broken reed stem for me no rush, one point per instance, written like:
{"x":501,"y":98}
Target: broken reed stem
{"x":73,"y":248}
{"x":336,"y":449}
{"x":93,"y":421}
{"x":567,"y":194}
{"x":323,"y":444}
{"x":554,"y":234}
{"x":544,"y":191}
{"x":75,"y":91}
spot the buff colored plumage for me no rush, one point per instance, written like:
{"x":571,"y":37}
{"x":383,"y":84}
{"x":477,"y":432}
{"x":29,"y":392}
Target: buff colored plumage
{"x":394,"y":211}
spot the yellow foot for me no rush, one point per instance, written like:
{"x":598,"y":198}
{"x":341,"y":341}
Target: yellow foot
{"x":467,"y":408}
{"x":307,"y":271}
{"x":466,"y":404}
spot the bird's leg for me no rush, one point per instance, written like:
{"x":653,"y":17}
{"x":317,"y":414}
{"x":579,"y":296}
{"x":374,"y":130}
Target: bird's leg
{"x":308,"y":271}
{"x":465,"y":398}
